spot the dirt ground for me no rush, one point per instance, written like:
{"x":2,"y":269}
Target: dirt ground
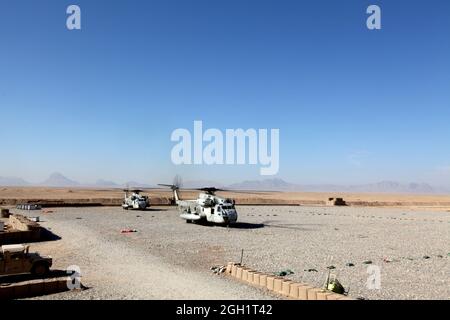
{"x":169,"y":259}
{"x":13,"y":195}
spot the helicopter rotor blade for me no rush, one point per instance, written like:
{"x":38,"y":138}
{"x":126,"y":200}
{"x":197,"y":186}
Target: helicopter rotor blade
{"x":171,"y":186}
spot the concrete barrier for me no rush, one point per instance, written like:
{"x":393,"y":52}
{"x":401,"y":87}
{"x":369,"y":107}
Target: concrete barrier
{"x":244,"y":274}
{"x":293,"y":290}
{"x":280,"y":285}
{"x":312,"y":293}
{"x":229,"y":267}
{"x":334,"y":296}
{"x":322,"y":295}
{"x":286,"y":287}
{"x":270,"y":282}
{"x":263,"y":280}
{"x":250,"y":275}
{"x":303,"y":292}
{"x":233,"y":271}
{"x":239,"y":270}
{"x":256,"y":279}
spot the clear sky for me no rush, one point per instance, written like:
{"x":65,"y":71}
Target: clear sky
{"x":352,"y":105}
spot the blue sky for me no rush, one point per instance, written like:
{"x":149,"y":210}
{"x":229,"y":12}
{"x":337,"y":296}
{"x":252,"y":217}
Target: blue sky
{"x":352,"y":105}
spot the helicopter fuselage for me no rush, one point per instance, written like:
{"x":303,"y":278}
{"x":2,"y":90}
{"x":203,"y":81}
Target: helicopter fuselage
{"x":135,"y":201}
{"x":208,"y":207}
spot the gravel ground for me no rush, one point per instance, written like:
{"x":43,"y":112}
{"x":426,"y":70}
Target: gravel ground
{"x":170,"y":259}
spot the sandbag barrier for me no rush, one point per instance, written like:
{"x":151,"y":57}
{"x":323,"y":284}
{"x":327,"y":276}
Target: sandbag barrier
{"x":280,"y":285}
{"x":34,"y":288}
{"x":20,"y":229}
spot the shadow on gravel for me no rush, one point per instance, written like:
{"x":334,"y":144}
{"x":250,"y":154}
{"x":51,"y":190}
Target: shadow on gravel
{"x":156,"y":209}
{"x":246,"y":225}
{"x":149,"y":210}
{"x":47,"y":235}
{"x":285,"y":226}
{"x":237,"y":225}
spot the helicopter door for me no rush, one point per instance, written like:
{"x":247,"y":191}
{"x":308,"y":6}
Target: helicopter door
{"x":209,"y":213}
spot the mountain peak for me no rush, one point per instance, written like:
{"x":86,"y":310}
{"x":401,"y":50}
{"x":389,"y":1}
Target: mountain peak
{"x":56,"y":179}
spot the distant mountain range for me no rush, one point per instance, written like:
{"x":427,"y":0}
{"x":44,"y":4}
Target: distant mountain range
{"x":13,"y":182}
{"x":276,"y":184}
{"x":58,"y":180}
{"x":380,"y":187}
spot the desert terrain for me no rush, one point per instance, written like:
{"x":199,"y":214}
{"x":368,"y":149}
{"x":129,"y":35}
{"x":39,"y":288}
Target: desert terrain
{"x":169,"y":259}
{"x":109,"y":196}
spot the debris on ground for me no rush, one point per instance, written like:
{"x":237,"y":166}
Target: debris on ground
{"x":28,"y":207}
{"x":334,"y":285}
{"x":310,"y":270}
{"x":387,"y":260}
{"x":128,"y":231}
{"x":218,"y":269}
{"x":349,"y":264}
{"x":5,"y":213}
{"x":78,"y":218}
{"x":283,"y":273}
{"x":35,"y":219}
{"x":367,"y":262}
{"x":331,"y":267}
{"x":426,"y":257}
{"x":47,"y":211}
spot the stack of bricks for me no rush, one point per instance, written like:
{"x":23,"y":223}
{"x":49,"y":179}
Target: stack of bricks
{"x":280,"y":285}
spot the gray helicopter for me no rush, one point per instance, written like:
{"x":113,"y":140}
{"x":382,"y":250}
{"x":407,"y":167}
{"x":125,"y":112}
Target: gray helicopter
{"x":207,"y":208}
{"x":135,"y":200}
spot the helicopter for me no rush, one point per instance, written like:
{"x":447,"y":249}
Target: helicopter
{"x":207,"y":208}
{"x":135,"y":200}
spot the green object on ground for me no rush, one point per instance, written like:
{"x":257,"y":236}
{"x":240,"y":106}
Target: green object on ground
{"x":336,"y":287}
